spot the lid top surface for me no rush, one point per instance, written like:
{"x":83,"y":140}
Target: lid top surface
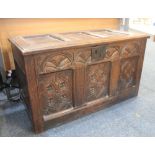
{"x":61,"y":40}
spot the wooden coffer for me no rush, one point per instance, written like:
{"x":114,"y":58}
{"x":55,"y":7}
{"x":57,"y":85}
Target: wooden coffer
{"x":66,"y":75}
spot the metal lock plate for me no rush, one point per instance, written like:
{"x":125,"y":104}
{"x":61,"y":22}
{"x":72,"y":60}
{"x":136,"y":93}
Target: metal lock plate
{"x":98,"y":52}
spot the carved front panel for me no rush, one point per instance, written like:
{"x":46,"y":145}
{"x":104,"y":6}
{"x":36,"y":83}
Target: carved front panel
{"x":97,"y":81}
{"x":128,"y":72}
{"x":105,"y":52}
{"x":56,"y":92}
{"x":53,"y":62}
{"x":130,"y":49}
{"x":82,"y":56}
{"x":112,"y":53}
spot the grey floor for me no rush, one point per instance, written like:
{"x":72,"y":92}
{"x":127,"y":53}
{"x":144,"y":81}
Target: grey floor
{"x":134,"y":117}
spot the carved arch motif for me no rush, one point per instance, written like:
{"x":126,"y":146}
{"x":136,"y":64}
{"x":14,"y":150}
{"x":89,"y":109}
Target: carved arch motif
{"x":56,"y":62}
{"x":82,"y":57}
{"x":130,"y":49}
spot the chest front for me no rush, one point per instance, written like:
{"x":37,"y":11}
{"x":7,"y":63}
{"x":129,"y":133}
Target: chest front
{"x":66,"y":83}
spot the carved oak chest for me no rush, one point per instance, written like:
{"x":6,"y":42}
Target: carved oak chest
{"x":66,"y":75}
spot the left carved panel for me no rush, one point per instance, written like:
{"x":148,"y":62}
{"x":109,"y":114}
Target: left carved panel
{"x":56,"y":91}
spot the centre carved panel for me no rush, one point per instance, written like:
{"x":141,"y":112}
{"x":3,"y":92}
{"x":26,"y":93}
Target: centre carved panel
{"x":97,"y":81}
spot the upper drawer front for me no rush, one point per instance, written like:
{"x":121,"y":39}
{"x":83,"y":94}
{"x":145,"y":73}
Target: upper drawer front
{"x":70,"y":59}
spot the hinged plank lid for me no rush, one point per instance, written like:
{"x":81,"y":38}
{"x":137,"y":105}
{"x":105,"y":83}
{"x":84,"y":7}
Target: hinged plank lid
{"x":38,"y":43}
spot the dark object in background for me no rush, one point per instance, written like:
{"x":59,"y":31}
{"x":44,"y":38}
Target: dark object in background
{"x":10,"y":86}
{"x":1,"y":81}
{"x":8,"y":83}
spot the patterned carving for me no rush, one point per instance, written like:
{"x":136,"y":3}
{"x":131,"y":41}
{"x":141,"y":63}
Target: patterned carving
{"x":97,"y":81}
{"x":58,"y":92}
{"x":54,"y":62}
{"x":130,"y":49}
{"x":105,"y":52}
{"x":82,"y":57}
{"x":128,"y":72}
{"x":112,"y":53}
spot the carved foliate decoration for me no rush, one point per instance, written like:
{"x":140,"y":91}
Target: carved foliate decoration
{"x":130,"y":49}
{"x":97,"y":81}
{"x":128,"y":72}
{"x":82,"y":56}
{"x":105,"y":52}
{"x":112,"y":53}
{"x":58,"y":92}
{"x":54,"y":62}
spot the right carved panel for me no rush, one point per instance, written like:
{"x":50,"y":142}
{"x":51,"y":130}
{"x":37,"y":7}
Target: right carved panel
{"x":128,"y":72}
{"x":97,"y":81}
